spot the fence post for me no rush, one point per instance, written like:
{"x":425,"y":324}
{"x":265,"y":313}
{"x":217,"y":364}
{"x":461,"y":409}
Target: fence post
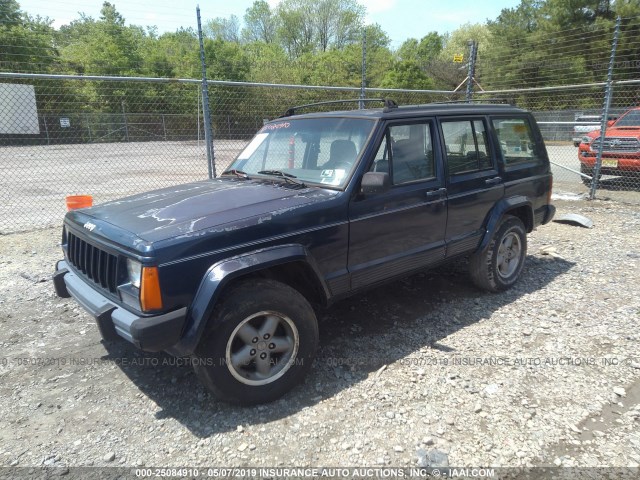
{"x":608,"y":92}
{"x":84,"y":116}
{"x":199,"y":97}
{"x":46,"y":129}
{"x":473,"y":51}
{"x":124,"y":119}
{"x":208,"y":133}
{"x":363,"y":83}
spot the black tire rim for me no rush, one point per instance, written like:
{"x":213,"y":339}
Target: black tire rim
{"x":262,"y":348}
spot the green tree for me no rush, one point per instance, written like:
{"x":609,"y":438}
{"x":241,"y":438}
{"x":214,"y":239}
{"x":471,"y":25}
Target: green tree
{"x":225,"y":60}
{"x":317,"y":25}
{"x":379,"y":56}
{"x":338,"y":23}
{"x":456,"y":42}
{"x":343,"y":67}
{"x":269,"y":63}
{"x":629,"y":46}
{"x":261,"y":24}
{"x":226,"y":29}
{"x":296,"y":26}
{"x":553,"y":42}
{"x":172,"y":54}
{"x":376,"y":37}
{"x":409,"y":75}
{"x":10,"y":13}
{"x":448,"y":74}
{"x":423,"y":51}
{"x":105,"y":46}
{"x":27,"y":42}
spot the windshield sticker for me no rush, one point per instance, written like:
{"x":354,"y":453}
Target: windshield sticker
{"x":253,"y":146}
{"x":335,"y":179}
{"x":326,"y":173}
{"x":275,"y":126}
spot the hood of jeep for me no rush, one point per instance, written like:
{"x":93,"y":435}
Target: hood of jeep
{"x":184,"y":210}
{"x":617,"y":132}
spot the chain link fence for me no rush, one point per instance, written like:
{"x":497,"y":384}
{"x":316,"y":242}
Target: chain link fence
{"x":571,"y":134}
{"x":546,"y":74}
{"x":115,"y":136}
{"x":111,"y":137}
{"x":52,"y":145}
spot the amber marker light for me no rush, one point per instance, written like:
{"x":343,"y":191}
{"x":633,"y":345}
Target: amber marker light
{"x":150,"y":296}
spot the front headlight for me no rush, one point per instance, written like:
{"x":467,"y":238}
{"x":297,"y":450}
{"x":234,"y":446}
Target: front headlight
{"x":587,"y":140}
{"x":134,"y":270}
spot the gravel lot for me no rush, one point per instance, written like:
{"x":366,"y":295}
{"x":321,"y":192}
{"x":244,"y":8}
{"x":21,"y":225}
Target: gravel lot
{"x":545,"y":374}
{"x":34,"y":180}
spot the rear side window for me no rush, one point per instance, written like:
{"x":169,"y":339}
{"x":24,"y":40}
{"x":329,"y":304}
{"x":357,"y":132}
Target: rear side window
{"x":467,"y":146}
{"x":516,"y":140}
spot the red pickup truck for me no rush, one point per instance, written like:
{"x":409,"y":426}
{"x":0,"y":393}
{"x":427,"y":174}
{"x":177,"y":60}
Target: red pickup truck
{"x":621,"y":149}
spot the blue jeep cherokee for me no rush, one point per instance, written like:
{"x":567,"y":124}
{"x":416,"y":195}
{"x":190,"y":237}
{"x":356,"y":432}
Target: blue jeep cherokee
{"x":318,"y":206}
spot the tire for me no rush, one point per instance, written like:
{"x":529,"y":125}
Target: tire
{"x":262,"y":341}
{"x":498,"y":266}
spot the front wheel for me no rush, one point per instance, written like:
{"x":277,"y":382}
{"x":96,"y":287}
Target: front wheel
{"x":262,"y":341}
{"x":498,"y":266}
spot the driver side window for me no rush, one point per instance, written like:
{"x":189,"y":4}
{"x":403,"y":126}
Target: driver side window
{"x":406,"y":153}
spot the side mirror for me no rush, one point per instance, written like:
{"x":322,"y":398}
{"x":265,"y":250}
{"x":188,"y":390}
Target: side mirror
{"x":610,"y":123}
{"x":375,"y":182}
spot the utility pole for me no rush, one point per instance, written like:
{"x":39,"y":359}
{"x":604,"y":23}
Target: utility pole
{"x":208,"y":133}
{"x":363,"y":83}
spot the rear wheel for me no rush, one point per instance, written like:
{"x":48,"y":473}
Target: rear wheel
{"x":263,"y":340}
{"x":498,"y":266}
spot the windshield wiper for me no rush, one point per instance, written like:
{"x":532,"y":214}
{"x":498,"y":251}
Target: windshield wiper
{"x":238,"y":173}
{"x":287,"y":177}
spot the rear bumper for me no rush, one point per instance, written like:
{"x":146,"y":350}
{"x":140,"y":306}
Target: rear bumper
{"x":150,"y":333}
{"x":548,"y":216}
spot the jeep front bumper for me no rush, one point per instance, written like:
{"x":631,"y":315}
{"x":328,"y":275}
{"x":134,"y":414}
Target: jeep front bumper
{"x":150,"y":333}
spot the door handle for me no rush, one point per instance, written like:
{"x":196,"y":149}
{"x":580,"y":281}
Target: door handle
{"x":436,"y":193}
{"x":493,"y":181}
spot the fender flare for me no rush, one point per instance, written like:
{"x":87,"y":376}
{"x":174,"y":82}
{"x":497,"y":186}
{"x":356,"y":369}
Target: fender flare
{"x":226,"y":270}
{"x":498,"y":212}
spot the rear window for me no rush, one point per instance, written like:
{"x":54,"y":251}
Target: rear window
{"x":516,"y":140}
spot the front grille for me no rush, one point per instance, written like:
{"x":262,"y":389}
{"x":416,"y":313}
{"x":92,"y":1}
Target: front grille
{"x":618,"y":144}
{"x":97,"y":265}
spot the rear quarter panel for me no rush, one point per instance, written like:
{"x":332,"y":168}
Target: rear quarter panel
{"x":532,"y":179}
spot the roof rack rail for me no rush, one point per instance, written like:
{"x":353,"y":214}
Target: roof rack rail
{"x":484,"y":100}
{"x":388,"y":104}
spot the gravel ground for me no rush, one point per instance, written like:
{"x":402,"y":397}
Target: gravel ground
{"x":426,"y":367}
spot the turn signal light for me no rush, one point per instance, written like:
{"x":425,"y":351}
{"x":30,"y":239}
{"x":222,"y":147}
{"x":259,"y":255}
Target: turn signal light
{"x":150,"y":295}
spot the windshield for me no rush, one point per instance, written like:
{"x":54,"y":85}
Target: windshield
{"x":313,"y":150}
{"x":631,"y":119}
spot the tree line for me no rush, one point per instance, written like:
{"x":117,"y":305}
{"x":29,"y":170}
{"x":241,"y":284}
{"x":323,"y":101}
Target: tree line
{"x":319,"y":42}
